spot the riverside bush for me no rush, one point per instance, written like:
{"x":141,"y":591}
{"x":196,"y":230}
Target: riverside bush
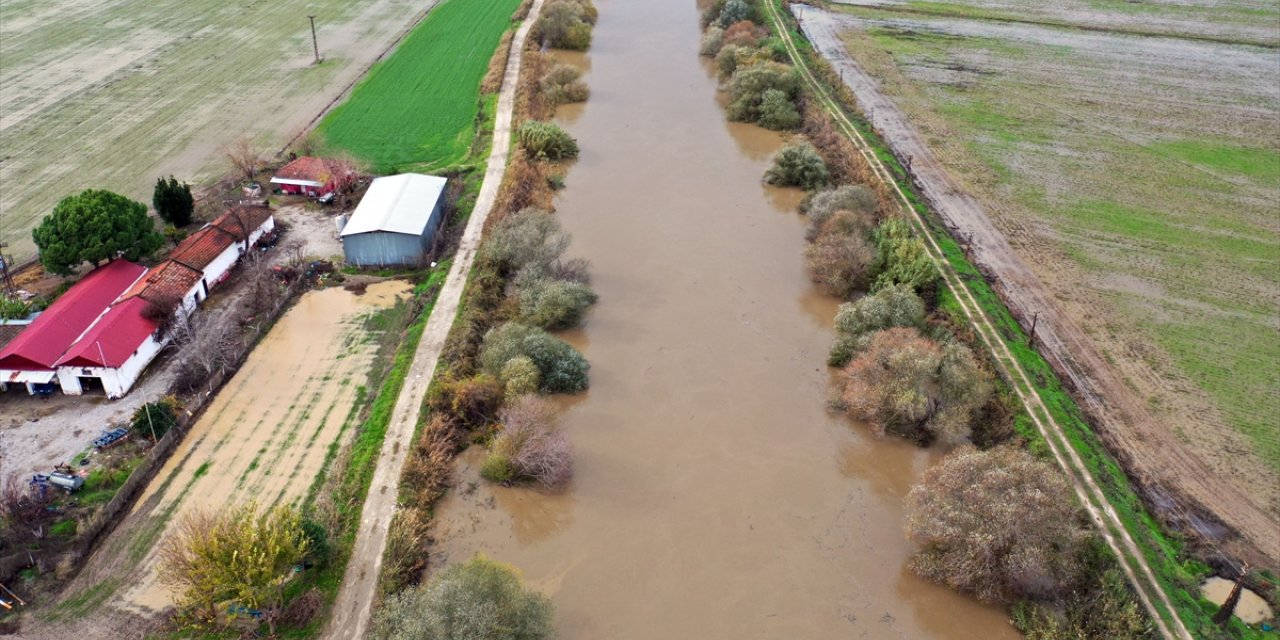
{"x":894,"y":306}
{"x":477,"y":600}
{"x":555,"y":304}
{"x":748,"y":86}
{"x":563,"y":84}
{"x":907,"y":384}
{"x":841,"y":260}
{"x":712,"y":41}
{"x":778,"y":113}
{"x":520,"y":376}
{"x":824,"y":204}
{"x":528,"y":238}
{"x":566,"y":24}
{"x":530,"y":446}
{"x":999,"y":524}
{"x":903,"y":258}
{"x":734,"y":11}
{"x":546,"y":140}
{"x":561,"y":369}
{"x":743,"y":33}
{"x":797,"y":165}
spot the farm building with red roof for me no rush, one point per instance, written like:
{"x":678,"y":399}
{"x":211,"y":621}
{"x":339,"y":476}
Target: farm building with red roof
{"x":31,"y":357}
{"x":309,"y":176}
{"x":216,"y":248}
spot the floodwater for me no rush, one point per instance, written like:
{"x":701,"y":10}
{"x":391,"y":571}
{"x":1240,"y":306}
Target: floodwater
{"x":266,"y":434}
{"x":715,"y":495}
{"x":1251,"y":609}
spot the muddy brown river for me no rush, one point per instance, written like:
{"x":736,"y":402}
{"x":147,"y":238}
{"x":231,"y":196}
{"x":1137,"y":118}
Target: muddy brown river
{"x":715,"y":495}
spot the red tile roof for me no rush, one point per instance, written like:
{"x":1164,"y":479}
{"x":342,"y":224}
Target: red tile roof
{"x":309,"y":168}
{"x":43,"y":341}
{"x":167,"y":282}
{"x":242,"y":221}
{"x":202,"y":247}
{"x":113,"y":339}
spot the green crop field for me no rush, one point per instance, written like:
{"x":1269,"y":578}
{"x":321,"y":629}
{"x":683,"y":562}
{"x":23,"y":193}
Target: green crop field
{"x":417,"y":109}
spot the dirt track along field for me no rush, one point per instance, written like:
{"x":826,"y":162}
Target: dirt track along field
{"x":352,"y":611}
{"x":264,"y":437}
{"x":113,"y":94}
{"x":1125,"y":187}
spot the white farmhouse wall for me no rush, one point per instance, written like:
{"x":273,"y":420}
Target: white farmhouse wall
{"x":218,"y":268}
{"x":115,"y":381}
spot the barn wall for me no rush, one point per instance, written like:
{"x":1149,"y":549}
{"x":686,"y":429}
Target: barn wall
{"x":383,"y":249}
{"x":115,"y":381}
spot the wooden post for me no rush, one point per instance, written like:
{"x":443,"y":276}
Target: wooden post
{"x":314,"y":45}
{"x":1035,"y":319}
{"x":1223,"y":616}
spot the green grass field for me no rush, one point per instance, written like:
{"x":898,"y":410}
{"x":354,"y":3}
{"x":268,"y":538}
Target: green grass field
{"x":417,"y":109}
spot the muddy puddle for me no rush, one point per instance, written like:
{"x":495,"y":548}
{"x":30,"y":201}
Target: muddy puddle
{"x":715,"y":496}
{"x":1251,"y":609}
{"x":265,"y":436}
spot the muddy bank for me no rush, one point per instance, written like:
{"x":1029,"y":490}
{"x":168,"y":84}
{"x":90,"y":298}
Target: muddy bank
{"x":715,"y":496}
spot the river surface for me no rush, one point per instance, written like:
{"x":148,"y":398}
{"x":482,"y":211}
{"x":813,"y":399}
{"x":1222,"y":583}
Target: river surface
{"x":715,"y":495}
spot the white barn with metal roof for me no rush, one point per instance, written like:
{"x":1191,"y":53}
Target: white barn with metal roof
{"x":396,"y":221}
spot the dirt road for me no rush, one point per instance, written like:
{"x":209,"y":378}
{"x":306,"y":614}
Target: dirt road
{"x":351,"y":612}
{"x":1149,"y":446}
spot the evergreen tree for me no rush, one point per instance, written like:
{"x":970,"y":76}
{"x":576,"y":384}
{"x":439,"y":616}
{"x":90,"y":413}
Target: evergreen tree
{"x":173,"y":201}
{"x":94,"y":226}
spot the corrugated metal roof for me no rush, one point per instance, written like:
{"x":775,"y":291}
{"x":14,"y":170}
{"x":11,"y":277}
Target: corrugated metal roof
{"x":398,"y":204}
{"x":112,"y":339}
{"x":39,"y":346}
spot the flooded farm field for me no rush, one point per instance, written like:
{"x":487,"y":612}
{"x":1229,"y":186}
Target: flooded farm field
{"x":264,"y":437}
{"x":715,"y":496}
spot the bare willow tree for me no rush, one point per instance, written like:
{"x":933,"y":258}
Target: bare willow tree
{"x":207,"y":344}
{"x":263,"y":287}
{"x":244,"y":157}
{"x":244,"y":555}
{"x":999,"y":524}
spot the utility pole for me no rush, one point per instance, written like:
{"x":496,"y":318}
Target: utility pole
{"x":1034,"y":320}
{"x":1228,"y":608}
{"x":314,"y":46}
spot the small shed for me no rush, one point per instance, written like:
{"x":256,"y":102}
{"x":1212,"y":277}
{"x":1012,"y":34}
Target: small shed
{"x":310,"y":176}
{"x":396,"y":222}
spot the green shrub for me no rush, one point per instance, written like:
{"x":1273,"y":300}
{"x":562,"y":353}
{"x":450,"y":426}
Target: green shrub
{"x":729,"y":58}
{"x":903,"y":258}
{"x":747,"y":89}
{"x":822,"y":205}
{"x":64,"y":528}
{"x":497,"y":468}
{"x":546,"y":140}
{"x":566,"y":24}
{"x":561,"y":369}
{"x":476,"y":600}
{"x":317,"y":536}
{"x":13,"y":308}
{"x":777,"y":112}
{"x":155,"y":417}
{"x":894,"y":306}
{"x":520,"y":376}
{"x":563,"y":85}
{"x":712,"y":41}
{"x":555,"y":304}
{"x":798,"y":165}
{"x":999,"y":524}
